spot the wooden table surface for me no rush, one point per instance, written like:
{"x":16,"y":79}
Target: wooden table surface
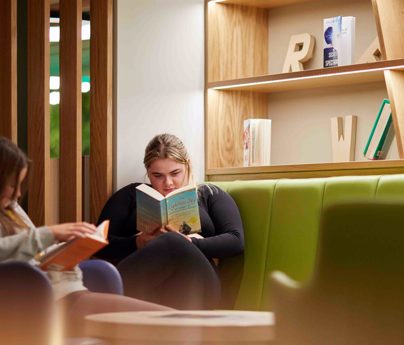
{"x":183,"y":327}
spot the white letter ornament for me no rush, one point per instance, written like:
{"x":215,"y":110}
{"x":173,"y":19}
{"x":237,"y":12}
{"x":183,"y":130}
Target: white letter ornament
{"x":300,"y":50}
{"x":343,"y":138}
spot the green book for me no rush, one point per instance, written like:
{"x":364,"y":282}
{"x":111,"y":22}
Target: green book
{"x":377,"y":138}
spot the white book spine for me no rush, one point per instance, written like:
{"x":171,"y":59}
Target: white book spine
{"x":246,"y":143}
{"x":257,"y":142}
{"x":339,"y":41}
{"x":347,"y":41}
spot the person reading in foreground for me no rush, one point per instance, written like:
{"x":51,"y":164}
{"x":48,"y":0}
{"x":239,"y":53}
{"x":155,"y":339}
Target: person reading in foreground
{"x":21,"y":241}
{"x":169,"y":264}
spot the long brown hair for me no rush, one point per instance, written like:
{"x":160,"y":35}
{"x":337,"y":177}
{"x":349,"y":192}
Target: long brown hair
{"x":12,"y":161}
{"x":167,"y":146}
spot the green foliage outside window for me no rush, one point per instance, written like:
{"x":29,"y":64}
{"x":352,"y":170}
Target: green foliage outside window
{"x":55,"y":132}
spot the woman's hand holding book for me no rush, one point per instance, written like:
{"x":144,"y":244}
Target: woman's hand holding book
{"x":68,"y":231}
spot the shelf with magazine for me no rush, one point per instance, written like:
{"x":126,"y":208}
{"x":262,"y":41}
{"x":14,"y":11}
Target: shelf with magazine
{"x":246,"y":43}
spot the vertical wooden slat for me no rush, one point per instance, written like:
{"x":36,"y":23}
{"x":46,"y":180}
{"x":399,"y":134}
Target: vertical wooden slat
{"x":101,"y":102}
{"x":395,"y":90}
{"x":38,"y":109}
{"x":8,"y":69}
{"x":389,"y":16}
{"x":70,"y":165}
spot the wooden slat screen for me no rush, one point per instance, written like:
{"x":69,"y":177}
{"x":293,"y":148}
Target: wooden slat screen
{"x":70,"y":165}
{"x":8,"y":69}
{"x":101,"y":101}
{"x":42,"y":191}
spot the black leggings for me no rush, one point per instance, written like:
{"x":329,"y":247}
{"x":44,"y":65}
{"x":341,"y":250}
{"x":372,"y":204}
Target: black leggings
{"x":172,"y":271}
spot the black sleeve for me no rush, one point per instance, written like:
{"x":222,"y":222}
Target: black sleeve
{"x":228,"y":238}
{"x":120,"y":209}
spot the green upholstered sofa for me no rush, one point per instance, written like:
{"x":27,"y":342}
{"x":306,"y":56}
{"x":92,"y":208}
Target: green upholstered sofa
{"x":281,"y":221}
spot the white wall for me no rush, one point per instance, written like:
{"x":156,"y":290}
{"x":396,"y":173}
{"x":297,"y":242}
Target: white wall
{"x":160,"y":80}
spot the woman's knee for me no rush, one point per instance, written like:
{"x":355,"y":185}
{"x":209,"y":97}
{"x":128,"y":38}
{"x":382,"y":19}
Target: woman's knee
{"x":172,"y":239}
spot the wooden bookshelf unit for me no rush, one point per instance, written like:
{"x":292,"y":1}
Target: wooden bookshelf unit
{"x":245,"y":45}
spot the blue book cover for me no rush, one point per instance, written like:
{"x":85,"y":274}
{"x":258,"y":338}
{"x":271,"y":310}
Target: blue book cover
{"x":179,"y":209}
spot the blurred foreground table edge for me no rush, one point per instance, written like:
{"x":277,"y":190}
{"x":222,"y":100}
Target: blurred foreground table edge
{"x":191,"y":327}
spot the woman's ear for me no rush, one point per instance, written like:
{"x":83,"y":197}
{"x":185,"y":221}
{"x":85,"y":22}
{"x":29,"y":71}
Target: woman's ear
{"x":146,"y":178}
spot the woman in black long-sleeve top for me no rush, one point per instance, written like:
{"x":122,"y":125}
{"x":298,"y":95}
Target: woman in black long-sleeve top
{"x":168,"y":267}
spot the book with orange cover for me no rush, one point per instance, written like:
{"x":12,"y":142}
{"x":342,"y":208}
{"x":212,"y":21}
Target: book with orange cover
{"x":66,"y":255}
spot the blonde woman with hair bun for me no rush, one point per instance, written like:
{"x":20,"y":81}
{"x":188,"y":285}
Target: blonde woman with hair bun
{"x":167,"y":267}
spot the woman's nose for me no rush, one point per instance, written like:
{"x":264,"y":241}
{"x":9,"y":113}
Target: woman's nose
{"x":168,"y":180}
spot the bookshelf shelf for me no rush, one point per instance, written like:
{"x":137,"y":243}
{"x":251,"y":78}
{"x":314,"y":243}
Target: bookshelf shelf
{"x":324,"y":77}
{"x":262,"y":3}
{"x":307,"y":170}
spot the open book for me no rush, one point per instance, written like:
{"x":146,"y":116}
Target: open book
{"x":179,"y":209}
{"x":66,"y":255}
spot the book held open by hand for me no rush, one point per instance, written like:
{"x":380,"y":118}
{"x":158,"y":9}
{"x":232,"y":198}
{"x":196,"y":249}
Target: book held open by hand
{"x":179,"y":209}
{"x":64,"y":256}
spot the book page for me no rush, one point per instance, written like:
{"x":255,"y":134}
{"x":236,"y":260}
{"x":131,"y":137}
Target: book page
{"x":150,"y":213}
{"x":101,"y":232}
{"x":180,"y":190}
{"x":150,"y":191}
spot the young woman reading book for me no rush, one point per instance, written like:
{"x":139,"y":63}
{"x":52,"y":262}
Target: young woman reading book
{"x":166,"y":266}
{"x":21,"y":241}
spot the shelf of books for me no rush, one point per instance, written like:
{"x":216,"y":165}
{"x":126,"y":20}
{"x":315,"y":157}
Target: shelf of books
{"x":315,"y":78}
{"x":318,"y":71}
{"x":306,"y":170}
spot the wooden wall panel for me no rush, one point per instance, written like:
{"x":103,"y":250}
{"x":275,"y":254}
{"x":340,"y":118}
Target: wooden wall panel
{"x":70,"y":165}
{"x":226,"y":112}
{"x":38,"y":109}
{"x":236,"y":53}
{"x":8,"y":69}
{"x":101,"y":104}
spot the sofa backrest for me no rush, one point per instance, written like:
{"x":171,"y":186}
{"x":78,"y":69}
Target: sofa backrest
{"x":281,"y":221}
